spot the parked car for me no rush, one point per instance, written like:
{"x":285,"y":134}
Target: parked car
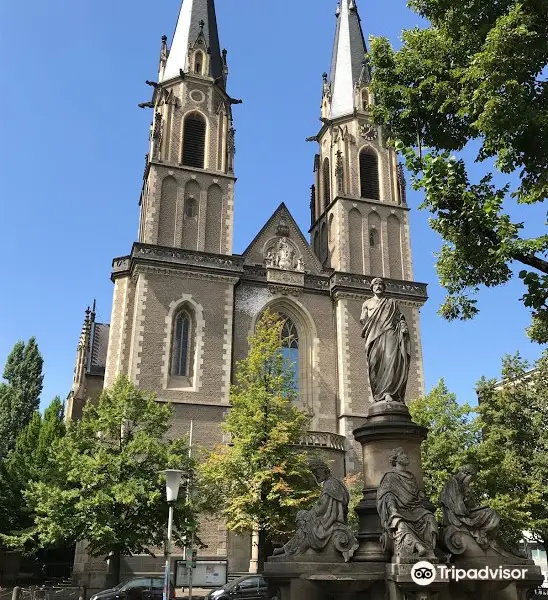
{"x":138,"y":588}
{"x":249,"y":587}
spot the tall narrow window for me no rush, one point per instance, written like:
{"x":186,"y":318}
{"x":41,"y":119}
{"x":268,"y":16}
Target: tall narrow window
{"x":290,"y":348}
{"x":198,"y":62}
{"x":326,"y":184}
{"x":194,"y":141}
{"x":365,"y":99}
{"x":369,"y":175}
{"x":180,"y":349}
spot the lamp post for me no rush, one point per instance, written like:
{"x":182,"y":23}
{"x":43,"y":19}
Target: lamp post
{"x":173,"y":482}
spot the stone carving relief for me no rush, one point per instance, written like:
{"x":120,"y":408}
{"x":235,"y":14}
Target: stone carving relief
{"x":282,"y":254}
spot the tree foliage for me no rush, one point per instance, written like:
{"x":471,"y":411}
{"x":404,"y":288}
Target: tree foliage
{"x":513,"y":453}
{"x":30,"y":461}
{"x":260,"y":480}
{"x":108,"y":488}
{"x":452,"y":435}
{"x":475,"y":75}
{"x":506,"y":436}
{"x":20,"y":396}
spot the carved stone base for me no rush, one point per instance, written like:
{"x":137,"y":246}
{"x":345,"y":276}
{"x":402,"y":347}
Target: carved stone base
{"x":298,"y":580}
{"x":386,"y":429}
{"x":370,"y":549}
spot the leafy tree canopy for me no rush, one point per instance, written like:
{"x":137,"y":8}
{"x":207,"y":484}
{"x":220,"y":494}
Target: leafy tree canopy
{"x":506,"y":436}
{"x":476,"y":74}
{"x":260,"y":480}
{"x":30,"y":461}
{"x":108,"y":488}
{"x":20,"y":397}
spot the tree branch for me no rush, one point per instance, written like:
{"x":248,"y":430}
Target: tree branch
{"x":532,"y":261}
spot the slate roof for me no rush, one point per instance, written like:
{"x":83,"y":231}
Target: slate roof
{"x":349,"y":52}
{"x":187,"y":32}
{"x":98,"y":346}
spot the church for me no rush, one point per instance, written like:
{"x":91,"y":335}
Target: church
{"x":184,"y":304}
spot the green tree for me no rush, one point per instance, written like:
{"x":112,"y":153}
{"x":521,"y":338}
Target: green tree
{"x":261,"y":479}
{"x":20,"y":397}
{"x":475,"y":76}
{"x":513,"y":452}
{"x":108,"y":489}
{"x":452,"y":434}
{"x":30,"y":461}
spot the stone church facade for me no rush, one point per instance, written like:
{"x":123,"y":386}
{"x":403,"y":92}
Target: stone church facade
{"x":184,"y":304}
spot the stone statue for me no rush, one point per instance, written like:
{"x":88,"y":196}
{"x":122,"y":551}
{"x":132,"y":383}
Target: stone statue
{"x":325,"y":524}
{"x":387,"y":346}
{"x":282,"y":255}
{"x":409,"y":528}
{"x":460,"y":514}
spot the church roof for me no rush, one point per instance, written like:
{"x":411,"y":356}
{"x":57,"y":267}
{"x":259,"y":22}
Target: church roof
{"x":98,"y":346}
{"x":196,"y":18}
{"x":348,"y":57}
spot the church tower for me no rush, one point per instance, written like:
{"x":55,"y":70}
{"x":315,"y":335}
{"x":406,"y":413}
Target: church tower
{"x":187,"y":197}
{"x":359,"y":213}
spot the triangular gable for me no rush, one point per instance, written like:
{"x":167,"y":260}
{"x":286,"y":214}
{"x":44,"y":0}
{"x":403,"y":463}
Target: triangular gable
{"x":281,"y":224}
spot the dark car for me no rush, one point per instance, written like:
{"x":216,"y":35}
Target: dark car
{"x":138,"y":588}
{"x":250,"y":587}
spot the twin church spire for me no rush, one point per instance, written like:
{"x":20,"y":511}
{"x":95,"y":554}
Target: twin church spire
{"x":347,"y":65}
{"x":196,"y":30}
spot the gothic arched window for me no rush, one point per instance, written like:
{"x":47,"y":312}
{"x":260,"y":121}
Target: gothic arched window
{"x":290,"y":347}
{"x":194,"y":134}
{"x":326,"y":184}
{"x":369,"y":175}
{"x":181,"y":344}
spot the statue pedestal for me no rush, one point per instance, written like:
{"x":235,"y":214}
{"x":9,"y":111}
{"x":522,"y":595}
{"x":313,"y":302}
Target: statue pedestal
{"x":388,"y":425}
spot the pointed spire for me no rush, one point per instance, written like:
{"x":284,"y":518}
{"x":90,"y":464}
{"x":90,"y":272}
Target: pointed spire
{"x":348,"y":56}
{"x":196,"y":19}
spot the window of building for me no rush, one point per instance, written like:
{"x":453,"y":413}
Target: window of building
{"x":181,"y":345}
{"x":198,"y":63}
{"x":369,"y":175}
{"x":190,"y":207}
{"x":365,"y":99}
{"x":290,"y":348}
{"x":194,"y":141}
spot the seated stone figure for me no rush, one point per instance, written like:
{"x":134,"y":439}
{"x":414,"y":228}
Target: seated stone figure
{"x":324,"y":525}
{"x":410,"y":529}
{"x":460,"y":512}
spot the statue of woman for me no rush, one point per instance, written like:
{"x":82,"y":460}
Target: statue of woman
{"x":409,"y":526}
{"x":387,"y":345}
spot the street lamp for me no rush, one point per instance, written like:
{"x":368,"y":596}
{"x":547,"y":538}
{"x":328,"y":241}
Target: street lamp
{"x":173,"y":482}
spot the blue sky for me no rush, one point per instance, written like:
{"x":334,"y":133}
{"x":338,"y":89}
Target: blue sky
{"x":72,"y":160}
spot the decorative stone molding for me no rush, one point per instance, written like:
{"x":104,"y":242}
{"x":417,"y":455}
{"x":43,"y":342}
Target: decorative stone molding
{"x":185,"y":274}
{"x":285,"y":290}
{"x":285,"y":277}
{"x":323,"y":439}
{"x":393,"y":287}
{"x":186,"y":256}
